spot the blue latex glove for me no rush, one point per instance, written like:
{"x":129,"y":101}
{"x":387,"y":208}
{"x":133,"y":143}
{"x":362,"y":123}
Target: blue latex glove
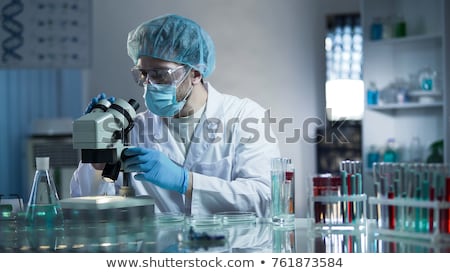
{"x":157,"y":168}
{"x":95,"y":100}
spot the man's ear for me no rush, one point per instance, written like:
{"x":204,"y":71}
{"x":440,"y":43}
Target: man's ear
{"x":197,"y":78}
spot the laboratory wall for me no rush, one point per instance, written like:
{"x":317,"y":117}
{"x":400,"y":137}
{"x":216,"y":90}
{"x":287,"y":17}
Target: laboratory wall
{"x":269,"y":51}
{"x":30,"y":97}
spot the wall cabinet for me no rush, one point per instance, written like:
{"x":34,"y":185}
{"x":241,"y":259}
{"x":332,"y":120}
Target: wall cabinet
{"x":394,"y":62}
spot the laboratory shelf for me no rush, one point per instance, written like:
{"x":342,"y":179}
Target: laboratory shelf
{"x":409,"y":105}
{"x":434,"y":37}
{"x":399,"y":61}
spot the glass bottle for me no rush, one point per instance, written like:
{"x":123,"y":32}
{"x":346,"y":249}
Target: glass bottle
{"x":372,"y":94}
{"x":390,"y":154}
{"x":376,"y":29}
{"x":415,"y":150}
{"x":44,"y":218}
{"x":373,"y":156}
{"x":400,"y":27}
{"x":387,"y":27}
{"x":427,"y":77}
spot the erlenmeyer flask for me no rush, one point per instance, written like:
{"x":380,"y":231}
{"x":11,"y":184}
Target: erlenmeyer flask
{"x":44,"y":218}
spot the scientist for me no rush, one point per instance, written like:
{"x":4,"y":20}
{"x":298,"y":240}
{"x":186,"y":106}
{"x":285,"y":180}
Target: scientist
{"x":195,"y":150}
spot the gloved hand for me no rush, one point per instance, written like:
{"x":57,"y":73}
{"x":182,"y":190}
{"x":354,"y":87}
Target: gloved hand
{"x":157,"y":168}
{"x":95,"y":100}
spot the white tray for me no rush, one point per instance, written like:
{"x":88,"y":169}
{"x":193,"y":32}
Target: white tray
{"x":105,"y":202}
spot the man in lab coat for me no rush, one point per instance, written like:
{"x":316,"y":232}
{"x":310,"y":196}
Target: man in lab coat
{"x":195,"y":150}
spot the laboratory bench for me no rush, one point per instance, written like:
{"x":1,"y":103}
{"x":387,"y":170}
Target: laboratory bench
{"x":174,"y":233}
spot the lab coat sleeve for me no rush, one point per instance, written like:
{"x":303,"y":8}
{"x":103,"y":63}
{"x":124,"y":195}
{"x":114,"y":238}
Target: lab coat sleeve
{"x":87,"y":181}
{"x":249,"y":186}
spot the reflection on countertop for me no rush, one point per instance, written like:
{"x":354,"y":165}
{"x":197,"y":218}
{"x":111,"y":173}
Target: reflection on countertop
{"x":180,"y":234}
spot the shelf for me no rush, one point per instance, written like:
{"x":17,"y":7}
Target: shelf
{"x":409,"y":105}
{"x":387,"y":62}
{"x":407,"y":39}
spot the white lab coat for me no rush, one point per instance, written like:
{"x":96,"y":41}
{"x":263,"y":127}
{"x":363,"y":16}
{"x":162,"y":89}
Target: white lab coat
{"x":229,"y":157}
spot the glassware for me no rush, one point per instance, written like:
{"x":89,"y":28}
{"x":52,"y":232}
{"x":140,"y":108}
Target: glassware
{"x":373,"y":156}
{"x":283,"y":240}
{"x":376,"y":29}
{"x":282,"y":190}
{"x":390,"y":155}
{"x":400,"y":27}
{"x":372,"y":94}
{"x":44,"y":217}
{"x":427,"y":77}
{"x":229,"y":217}
{"x":415,"y":150}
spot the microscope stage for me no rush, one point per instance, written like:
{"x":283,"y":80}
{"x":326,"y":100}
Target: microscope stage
{"x":105,"y":202}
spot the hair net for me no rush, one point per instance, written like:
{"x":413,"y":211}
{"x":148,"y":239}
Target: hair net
{"x":173,"y":38}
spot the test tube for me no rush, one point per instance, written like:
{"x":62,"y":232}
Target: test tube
{"x":425,"y":196}
{"x":344,"y":189}
{"x":447,"y":193}
{"x":389,"y":212}
{"x":276,"y":173}
{"x":377,"y":174}
{"x":433,"y":171}
{"x":399,"y":184}
{"x":440,"y":188}
{"x":289,"y":181}
{"x":282,"y":210}
{"x":359,"y":190}
{"x":409,"y":194}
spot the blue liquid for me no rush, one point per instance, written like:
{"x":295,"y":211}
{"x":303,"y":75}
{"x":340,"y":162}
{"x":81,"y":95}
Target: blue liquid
{"x":276,"y":193}
{"x":427,"y":84}
{"x":376,"y":31}
{"x":390,"y":156}
{"x":372,"y":97}
{"x":45,"y":226}
{"x":281,"y":213}
{"x":372,"y":158}
{"x":44,"y":216}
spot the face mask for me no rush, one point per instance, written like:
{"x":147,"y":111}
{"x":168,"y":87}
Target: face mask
{"x":161,"y":99}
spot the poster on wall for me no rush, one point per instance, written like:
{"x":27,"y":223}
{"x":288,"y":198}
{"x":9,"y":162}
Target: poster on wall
{"x":45,"y":33}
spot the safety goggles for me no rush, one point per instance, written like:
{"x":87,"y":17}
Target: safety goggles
{"x":159,"y":75}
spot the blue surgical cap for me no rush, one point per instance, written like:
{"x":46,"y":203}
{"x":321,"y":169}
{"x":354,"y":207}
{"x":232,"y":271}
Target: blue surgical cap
{"x":176,"y":39}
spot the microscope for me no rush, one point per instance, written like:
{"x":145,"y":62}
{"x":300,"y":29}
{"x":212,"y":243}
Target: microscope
{"x":102,"y":135}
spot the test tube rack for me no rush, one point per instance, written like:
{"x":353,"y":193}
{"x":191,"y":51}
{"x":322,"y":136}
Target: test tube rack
{"x":410,"y":218}
{"x":339,"y":212}
{"x":412,"y":200}
{"x":332,"y":210}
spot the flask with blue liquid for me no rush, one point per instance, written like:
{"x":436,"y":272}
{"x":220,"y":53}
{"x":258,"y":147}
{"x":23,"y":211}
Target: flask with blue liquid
{"x":44,"y":217}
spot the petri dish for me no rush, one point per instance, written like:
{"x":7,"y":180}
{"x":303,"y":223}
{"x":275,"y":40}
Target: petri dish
{"x":205,"y":221}
{"x":231,"y":217}
{"x":169,"y":217}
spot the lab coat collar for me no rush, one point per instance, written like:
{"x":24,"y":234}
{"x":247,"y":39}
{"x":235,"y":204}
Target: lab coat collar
{"x":211,"y":118}
{"x":214,"y":107}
